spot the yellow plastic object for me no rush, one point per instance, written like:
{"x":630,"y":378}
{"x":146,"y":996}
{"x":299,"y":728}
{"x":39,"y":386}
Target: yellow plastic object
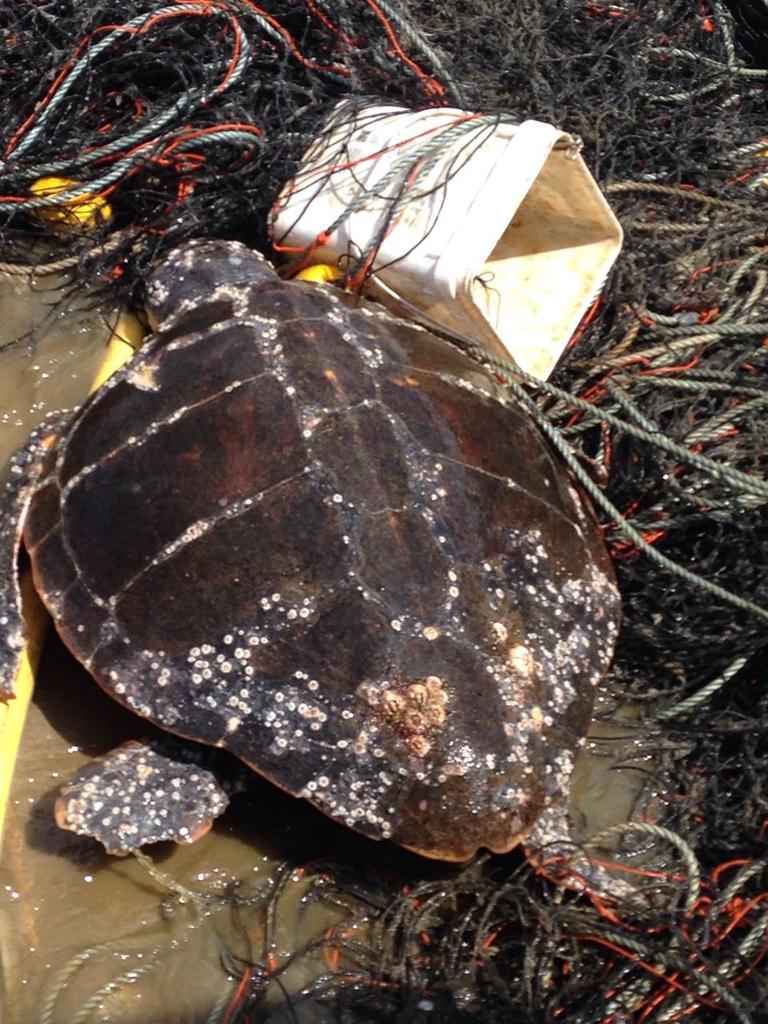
{"x":86,"y":211}
{"x":126,"y":337}
{"x":13,"y":714}
{"x":320,"y":273}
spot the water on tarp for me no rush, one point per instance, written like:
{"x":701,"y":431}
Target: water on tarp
{"x":85,"y":937}
{"x":80,"y":928}
{"x":51,"y":344}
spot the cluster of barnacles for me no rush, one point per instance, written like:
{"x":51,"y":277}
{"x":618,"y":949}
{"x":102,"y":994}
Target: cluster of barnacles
{"x":412,"y":712}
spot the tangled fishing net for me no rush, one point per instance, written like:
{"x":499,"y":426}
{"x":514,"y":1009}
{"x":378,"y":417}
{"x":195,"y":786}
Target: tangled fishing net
{"x":187,"y":118}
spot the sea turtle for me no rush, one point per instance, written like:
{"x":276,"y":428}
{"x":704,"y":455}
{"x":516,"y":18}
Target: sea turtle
{"x":326,"y":540}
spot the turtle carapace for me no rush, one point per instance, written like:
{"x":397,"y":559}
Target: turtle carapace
{"x":326,"y":540}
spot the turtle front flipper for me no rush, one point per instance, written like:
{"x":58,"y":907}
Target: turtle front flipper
{"x":135,"y":795}
{"x":28,"y":468}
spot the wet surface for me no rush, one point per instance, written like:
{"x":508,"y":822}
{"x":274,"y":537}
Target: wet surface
{"x":50,"y":347}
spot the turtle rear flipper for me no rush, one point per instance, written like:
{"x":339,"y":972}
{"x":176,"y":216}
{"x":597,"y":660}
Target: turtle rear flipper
{"x":135,"y":795}
{"x":28,"y":467}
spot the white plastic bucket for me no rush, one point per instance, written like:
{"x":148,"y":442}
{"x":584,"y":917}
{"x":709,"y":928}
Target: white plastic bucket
{"x":495,"y":230}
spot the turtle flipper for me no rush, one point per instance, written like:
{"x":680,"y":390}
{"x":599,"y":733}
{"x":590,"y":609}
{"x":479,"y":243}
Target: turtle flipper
{"x":27,"y":469}
{"x":135,"y":795}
